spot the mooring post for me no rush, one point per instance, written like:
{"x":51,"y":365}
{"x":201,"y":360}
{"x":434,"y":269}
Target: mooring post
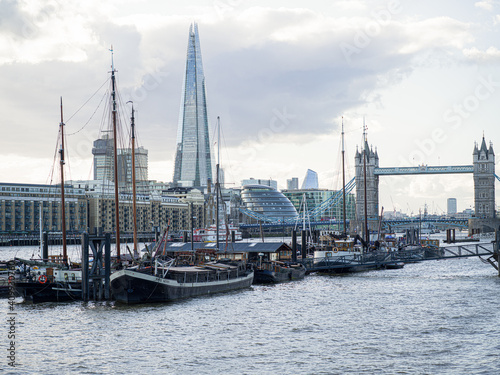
{"x":496,"y":248}
{"x":304,"y":245}
{"x":45,"y":247}
{"x":294,"y":245}
{"x":107,"y":266}
{"x":85,"y":266}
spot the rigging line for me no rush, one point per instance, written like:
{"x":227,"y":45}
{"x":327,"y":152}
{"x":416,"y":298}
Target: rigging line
{"x":91,"y":117}
{"x":50,"y":177}
{"x":83,"y":105}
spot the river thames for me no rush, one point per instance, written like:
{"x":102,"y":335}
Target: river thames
{"x":433,"y":317}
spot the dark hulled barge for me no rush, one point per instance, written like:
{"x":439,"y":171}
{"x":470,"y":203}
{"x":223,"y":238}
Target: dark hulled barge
{"x":170,"y":280}
{"x":277,"y":272}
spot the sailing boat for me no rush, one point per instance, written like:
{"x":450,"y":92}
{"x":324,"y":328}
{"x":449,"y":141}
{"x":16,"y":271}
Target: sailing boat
{"x":192,"y":273}
{"x":340,"y":253}
{"x":44,"y":281}
{"x":217,"y":232}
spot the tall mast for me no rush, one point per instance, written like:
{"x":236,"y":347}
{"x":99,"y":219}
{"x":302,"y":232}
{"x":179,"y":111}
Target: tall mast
{"x":217,"y":183}
{"x":115,"y":161}
{"x":367,"y":235}
{"x":134,"y":197}
{"x":343,"y":178}
{"x":63,"y":206}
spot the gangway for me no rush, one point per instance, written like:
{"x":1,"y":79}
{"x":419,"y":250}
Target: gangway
{"x":381,"y":259}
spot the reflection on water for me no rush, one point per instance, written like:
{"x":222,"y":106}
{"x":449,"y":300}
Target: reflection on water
{"x":430,"y":317}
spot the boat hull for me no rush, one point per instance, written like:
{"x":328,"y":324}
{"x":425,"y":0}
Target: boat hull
{"x":282,"y":275}
{"x":133,"y":287}
{"x":48,"y":292}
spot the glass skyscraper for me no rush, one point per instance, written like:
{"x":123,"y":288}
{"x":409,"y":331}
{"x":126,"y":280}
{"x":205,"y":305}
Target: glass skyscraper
{"x":193,"y":161}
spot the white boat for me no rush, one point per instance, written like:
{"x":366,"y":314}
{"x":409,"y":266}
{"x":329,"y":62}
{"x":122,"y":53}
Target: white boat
{"x":210,"y":234}
{"x":331,"y":250}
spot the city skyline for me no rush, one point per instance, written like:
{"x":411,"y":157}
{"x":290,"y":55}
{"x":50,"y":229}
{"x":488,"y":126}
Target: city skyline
{"x":424,"y":76}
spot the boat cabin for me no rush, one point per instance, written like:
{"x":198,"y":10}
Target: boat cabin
{"x":247,"y":252}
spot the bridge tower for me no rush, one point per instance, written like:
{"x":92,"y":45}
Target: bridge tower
{"x":484,"y":181}
{"x":372,"y":162}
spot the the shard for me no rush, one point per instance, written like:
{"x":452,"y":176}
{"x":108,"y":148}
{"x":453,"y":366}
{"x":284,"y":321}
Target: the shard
{"x":193,"y":162}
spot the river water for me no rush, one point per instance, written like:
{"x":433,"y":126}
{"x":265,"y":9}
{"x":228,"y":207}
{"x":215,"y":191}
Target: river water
{"x":434,"y":317}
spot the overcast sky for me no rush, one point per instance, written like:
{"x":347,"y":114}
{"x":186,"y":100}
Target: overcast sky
{"x":280,"y":74}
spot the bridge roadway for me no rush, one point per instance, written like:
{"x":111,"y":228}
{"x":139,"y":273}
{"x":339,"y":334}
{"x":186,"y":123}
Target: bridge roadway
{"x":384,"y":259}
{"x":424,"y":169}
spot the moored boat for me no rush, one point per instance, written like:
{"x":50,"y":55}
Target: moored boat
{"x":48,"y":282}
{"x":173,"y":279}
{"x":276,"y":272}
{"x":210,"y":234}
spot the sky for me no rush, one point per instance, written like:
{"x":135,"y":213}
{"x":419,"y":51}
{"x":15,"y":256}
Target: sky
{"x":282,"y":75}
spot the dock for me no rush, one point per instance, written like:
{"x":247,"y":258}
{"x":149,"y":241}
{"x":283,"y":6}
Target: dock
{"x":487,"y":252}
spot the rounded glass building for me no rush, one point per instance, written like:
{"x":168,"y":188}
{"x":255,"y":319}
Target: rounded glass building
{"x":267,"y":201}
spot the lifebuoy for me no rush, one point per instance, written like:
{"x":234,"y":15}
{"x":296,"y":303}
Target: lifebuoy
{"x":42,"y":279}
{"x":335,"y":250}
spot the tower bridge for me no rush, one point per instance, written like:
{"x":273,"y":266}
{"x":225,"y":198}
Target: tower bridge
{"x":482,"y":169}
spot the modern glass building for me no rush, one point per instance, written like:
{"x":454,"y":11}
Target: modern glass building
{"x":310,"y":180}
{"x":452,"y":206}
{"x":103,"y":163}
{"x":315,"y":197}
{"x":193,"y":162}
{"x":292,"y":184}
{"x":267,"y":201}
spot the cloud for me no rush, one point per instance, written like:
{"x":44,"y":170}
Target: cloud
{"x":485,"y":5}
{"x":492,"y":54}
{"x":258,"y":62}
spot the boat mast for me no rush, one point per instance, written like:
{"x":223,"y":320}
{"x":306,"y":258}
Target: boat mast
{"x":217,"y":183}
{"x":115,"y":161}
{"x":343,"y":179}
{"x":367,"y":235}
{"x":134,"y":197}
{"x":63,"y":206}
{"x":40,"y":221}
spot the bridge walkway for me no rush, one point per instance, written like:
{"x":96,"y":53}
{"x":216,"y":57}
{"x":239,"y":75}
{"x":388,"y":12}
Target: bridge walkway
{"x":487,"y":252}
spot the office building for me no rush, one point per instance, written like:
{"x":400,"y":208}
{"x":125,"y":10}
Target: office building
{"x":310,"y":180}
{"x":258,"y":181}
{"x":103,"y":163}
{"x":452,"y":206}
{"x":193,"y":161}
{"x":315,"y":197}
{"x":267,"y":201}
{"x":292,"y":184}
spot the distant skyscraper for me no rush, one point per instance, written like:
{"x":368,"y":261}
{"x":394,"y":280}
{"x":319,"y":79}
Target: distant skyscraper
{"x":292,"y":184}
{"x":311,"y":180}
{"x":103,"y":159}
{"x":193,"y":161}
{"x":103,"y":162}
{"x":452,"y":206}
{"x":253,"y":181}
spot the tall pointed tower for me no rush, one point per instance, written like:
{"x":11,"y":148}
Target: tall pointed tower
{"x":193,"y":161}
{"x":484,"y":181}
{"x":372,"y":162}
